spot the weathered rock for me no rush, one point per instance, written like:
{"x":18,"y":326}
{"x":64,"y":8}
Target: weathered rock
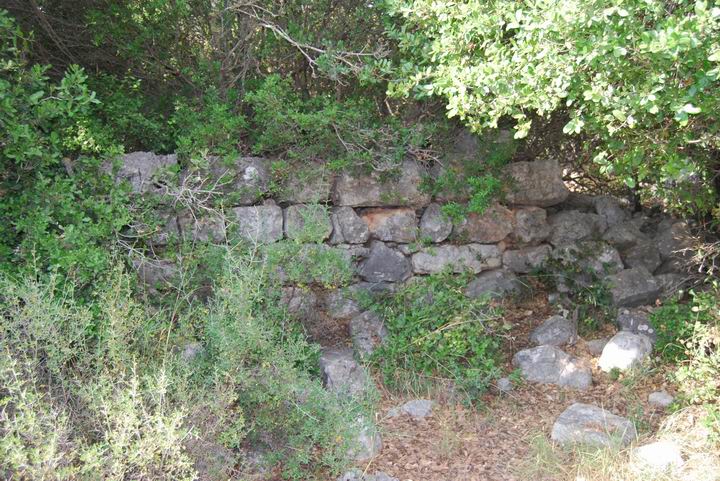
{"x":141,"y":170}
{"x":504,"y":385}
{"x":526,"y":259}
{"x":596,"y":346}
{"x":660,"y":456}
{"x":367,"y":443}
{"x":156,"y":273}
{"x":341,"y":304}
{"x":633,"y":287}
{"x":367,"y":332}
{"x":260,"y":224}
{"x":611,"y":210}
{"x":362,"y":190}
{"x":570,"y":226}
{"x":623,"y":351}
{"x":384,"y":265}
{"x":301,"y":303}
{"x":624,"y":235}
{"x":244,"y":180}
{"x":202,"y":229}
{"x":489,"y":227}
{"x":309,"y":222}
{"x":550,"y":365}
{"x":661,"y":399}
{"x":555,"y":331}
{"x":308,"y":185}
{"x":537,"y":183}
{"x":636,"y":321}
{"x":590,"y":425}
{"x":642,"y":255}
{"x":531,"y":225}
{"x":348,"y":227}
{"x":593,"y":256}
{"x":391,"y":225}
{"x":672,"y":238}
{"x":471,"y":257}
{"x":434,"y":224}
{"x":416,"y":409}
{"x":494,"y":284}
{"x":670,"y":283}
{"x":341,"y":374}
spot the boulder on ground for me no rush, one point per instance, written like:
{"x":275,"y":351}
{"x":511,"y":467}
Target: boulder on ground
{"x":494,"y":284}
{"x":341,"y":373}
{"x":434,"y":224}
{"x":471,"y":257}
{"x":384,"y":265}
{"x":391,"y":225}
{"x":589,"y":425}
{"x":624,"y":350}
{"x":633,"y":287}
{"x":538,"y":183}
{"x":416,"y":409}
{"x":555,"y":331}
{"x":550,"y":365}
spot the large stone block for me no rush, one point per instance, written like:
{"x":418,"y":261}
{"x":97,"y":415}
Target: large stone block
{"x":243,"y":180}
{"x":633,"y":287}
{"x":526,"y":259}
{"x":472,"y":257}
{"x":434,"y":224}
{"x":391,"y":225}
{"x":309,"y":184}
{"x":261,"y":224}
{"x":141,"y":169}
{"x":487,"y":228}
{"x":342,"y":374}
{"x":537,"y":183}
{"x":307,"y":223}
{"x":531,"y":225}
{"x":494,"y":284}
{"x":384,"y":265}
{"x":208,"y":228}
{"x":348,"y":227}
{"x":624,"y":235}
{"x":624,"y":350}
{"x":570,"y":226}
{"x":369,"y":190}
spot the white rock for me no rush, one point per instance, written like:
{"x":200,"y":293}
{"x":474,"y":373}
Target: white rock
{"x":624,"y":350}
{"x":659,"y":456}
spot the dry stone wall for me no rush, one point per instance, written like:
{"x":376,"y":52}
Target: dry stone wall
{"x":394,"y":230}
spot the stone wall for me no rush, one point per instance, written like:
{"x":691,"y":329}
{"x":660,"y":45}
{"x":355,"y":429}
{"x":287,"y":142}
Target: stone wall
{"x":393,"y":230}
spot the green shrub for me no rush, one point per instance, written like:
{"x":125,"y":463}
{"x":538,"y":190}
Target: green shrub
{"x":435,"y":331}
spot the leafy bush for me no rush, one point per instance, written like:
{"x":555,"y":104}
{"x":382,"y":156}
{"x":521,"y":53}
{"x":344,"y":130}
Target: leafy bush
{"x":637,"y":79}
{"x":435,"y":331}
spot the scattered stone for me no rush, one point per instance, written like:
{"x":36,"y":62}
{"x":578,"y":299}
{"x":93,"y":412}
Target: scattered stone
{"x":642,"y":255}
{"x":434,"y":225}
{"x":550,"y":365}
{"x":596,"y":346}
{"x":341,"y":374}
{"x":202,"y":229}
{"x":636,"y":321}
{"x":416,"y":409}
{"x":624,"y":235}
{"x":471,"y":257}
{"x":384,"y":265}
{"x":191,"y":351}
{"x":658,"y":456}
{"x":590,"y":425}
{"x":489,"y":227}
{"x":141,"y":169}
{"x":363,"y":190}
{"x":391,"y":225}
{"x":531,"y":225}
{"x":494,"y":284}
{"x":526,"y":259}
{"x":624,"y":350}
{"x":340,"y":304}
{"x":633,"y":287}
{"x":538,"y":183}
{"x":348,"y":227}
{"x":661,"y":399}
{"x":307,"y":222}
{"x":610,"y":209}
{"x":570,"y":226}
{"x":261,"y":224}
{"x":367,"y":332}
{"x":367,"y":443}
{"x":555,"y":331}
{"x":504,"y":385}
